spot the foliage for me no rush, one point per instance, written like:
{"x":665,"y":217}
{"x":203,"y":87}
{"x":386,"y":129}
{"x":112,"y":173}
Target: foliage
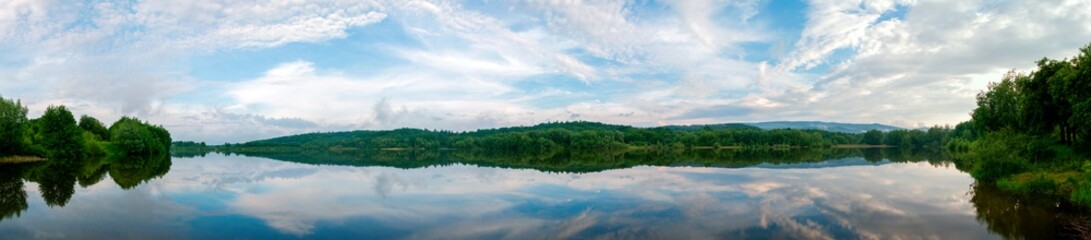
{"x":1030,"y":132}
{"x":585,"y":161}
{"x":993,"y":158}
{"x":56,"y":135}
{"x":1081,"y":195}
{"x":132,"y":137}
{"x":93,"y":126}
{"x":13,"y":118}
{"x":872,"y":137}
{"x":581,"y":136}
{"x":1030,"y":183}
{"x":998,"y":107}
{"x":60,"y":135}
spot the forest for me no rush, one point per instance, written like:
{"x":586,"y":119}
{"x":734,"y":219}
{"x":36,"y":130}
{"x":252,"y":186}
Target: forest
{"x":58,"y":135}
{"x":583,"y":162}
{"x":1031,"y":132}
{"x":587,"y":136}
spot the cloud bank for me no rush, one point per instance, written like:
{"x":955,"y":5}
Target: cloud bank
{"x":236,"y":71}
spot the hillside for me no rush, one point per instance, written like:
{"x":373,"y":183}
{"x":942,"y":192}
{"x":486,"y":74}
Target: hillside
{"x":593,"y":136}
{"x":825,"y":126}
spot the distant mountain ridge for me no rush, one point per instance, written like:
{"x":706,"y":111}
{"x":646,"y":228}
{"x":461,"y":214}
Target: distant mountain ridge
{"x":826,"y":126}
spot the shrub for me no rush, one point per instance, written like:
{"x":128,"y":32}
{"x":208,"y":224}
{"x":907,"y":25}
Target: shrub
{"x":992,"y":157}
{"x":132,"y":137}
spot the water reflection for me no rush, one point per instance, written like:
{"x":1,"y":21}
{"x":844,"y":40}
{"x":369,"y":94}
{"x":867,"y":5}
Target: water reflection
{"x":57,"y":179}
{"x":13,"y":199}
{"x":1024,"y":217}
{"x":837,"y":194}
{"x":585,"y":162}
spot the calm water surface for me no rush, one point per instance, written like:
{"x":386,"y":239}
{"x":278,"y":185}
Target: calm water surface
{"x":218,"y":196}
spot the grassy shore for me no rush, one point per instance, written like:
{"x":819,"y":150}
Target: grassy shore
{"x":856,"y":146}
{"x":20,"y":159}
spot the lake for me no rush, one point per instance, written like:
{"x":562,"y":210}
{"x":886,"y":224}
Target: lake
{"x":851,"y":194}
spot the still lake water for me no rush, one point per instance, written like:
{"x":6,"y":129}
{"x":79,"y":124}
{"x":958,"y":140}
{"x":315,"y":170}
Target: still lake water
{"x":220,"y":196}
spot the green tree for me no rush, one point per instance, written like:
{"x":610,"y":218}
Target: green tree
{"x":872,"y":137}
{"x":92,"y":125}
{"x":135,"y":138}
{"x":998,"y":107}
{"x":1078,"y":88}
{"x":1039,"y":115}
{"x":13,"y":118}
{"x":60,"y":135}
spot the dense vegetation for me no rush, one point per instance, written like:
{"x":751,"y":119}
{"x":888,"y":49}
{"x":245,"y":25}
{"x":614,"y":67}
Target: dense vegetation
{"x":591,"y":136}
{"x":1031,"y":133}
{"x":581,"y":162}
{"x":57,"y":135}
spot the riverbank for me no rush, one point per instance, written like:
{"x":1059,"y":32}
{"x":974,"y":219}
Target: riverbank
{"x":20,"y":159}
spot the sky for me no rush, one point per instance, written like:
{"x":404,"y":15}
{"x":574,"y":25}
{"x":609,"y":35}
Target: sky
{"x":235,"y":71}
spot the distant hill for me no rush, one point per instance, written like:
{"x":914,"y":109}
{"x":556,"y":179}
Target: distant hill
{"x":721,"y":126}
{"x":825,"y":126}
{"x":578,"y":135}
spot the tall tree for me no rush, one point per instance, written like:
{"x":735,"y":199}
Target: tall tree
{"x":1079,"y":89}
{"x":13,"y":118}
{"x":1039,"y":115}
{"x":60,"y":135}
{"x":998,"y":107}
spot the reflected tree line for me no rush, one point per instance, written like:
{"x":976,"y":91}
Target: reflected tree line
{"x":57,"y":179}
{"x":1016,"y":216}
{"x":586,"y":136}
{"x":588,"y":161}
{"x":1013,"y":216}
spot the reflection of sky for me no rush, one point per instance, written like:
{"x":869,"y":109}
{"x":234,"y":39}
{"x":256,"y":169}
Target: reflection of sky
{"x":225,"y":197}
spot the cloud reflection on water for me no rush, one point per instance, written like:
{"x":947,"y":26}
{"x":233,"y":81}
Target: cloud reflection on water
{"x":903,"y":200}
{"x":888,"y":201}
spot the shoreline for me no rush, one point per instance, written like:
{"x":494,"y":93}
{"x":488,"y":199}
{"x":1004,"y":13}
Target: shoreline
{"x":20,"y":159}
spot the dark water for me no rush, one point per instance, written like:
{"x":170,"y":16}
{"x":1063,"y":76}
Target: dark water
{"x":819,"y":196}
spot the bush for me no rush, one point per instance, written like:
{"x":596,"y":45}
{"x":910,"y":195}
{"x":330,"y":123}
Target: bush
{"x":992,"y":157}
{"x":92,"y":125}
{"x":132,"y":137}
{"x":1082,"y":195}
{"x":92,"y":146}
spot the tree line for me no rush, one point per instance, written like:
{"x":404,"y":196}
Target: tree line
{"x":593,"y":136}
{"x":589,"y":161}
{"x":58,"y":135}
{"x":1031,"y":132}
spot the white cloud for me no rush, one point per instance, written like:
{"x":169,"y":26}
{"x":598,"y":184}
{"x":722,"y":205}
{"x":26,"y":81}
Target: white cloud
{"x":925,"y":68}
{"x":212,"y":25}
{"x":461,"y":66}
{"x":128,"y":58}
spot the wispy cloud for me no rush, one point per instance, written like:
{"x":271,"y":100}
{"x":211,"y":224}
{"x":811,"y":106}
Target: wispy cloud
{"x":461,"y":65}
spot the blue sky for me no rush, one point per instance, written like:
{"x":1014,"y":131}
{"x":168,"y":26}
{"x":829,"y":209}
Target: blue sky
{"x":231,"y":71}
